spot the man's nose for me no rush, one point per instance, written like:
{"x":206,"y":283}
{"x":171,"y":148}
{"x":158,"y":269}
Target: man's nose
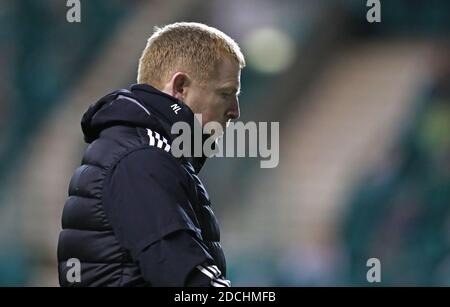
{"x":234,"y":112}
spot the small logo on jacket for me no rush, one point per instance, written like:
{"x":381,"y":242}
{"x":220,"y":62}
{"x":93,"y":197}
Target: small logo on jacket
{"x":175,"y":108}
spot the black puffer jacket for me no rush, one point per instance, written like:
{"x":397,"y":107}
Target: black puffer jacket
{"x":136,"y":215}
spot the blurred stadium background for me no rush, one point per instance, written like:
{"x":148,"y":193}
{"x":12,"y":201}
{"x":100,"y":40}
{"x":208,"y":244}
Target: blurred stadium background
{"x":364,"y":112}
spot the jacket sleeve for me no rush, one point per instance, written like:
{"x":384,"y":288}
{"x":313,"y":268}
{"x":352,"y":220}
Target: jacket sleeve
{"x":145,"y":199}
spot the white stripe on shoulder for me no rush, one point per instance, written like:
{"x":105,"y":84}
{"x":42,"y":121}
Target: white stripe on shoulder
{"x":167,"y":148}
{"x":160,"y":141}
{"x":152,"y":138}
{"x":155,"y":140}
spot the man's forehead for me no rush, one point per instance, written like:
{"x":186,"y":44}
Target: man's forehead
{"x":228,"y":69}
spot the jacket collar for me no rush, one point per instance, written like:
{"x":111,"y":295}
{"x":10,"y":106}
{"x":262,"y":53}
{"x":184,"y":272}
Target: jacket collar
{"x":168,"y":110}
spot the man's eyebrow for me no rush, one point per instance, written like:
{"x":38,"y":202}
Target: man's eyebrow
{"x":234,"y":88}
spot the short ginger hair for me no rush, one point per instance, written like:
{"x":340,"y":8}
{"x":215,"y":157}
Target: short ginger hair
{"x":190,"y":47}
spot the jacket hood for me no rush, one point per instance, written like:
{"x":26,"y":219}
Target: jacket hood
{"x":140,"y":106}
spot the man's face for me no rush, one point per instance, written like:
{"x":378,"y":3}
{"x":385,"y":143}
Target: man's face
{"x":217,"y":98}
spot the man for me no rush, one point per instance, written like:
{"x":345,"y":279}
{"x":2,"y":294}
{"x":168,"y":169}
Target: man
{"x":136,"y":215}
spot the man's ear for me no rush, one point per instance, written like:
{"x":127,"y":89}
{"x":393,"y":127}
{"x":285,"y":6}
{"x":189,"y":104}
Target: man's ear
{"x":176,"y":87}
